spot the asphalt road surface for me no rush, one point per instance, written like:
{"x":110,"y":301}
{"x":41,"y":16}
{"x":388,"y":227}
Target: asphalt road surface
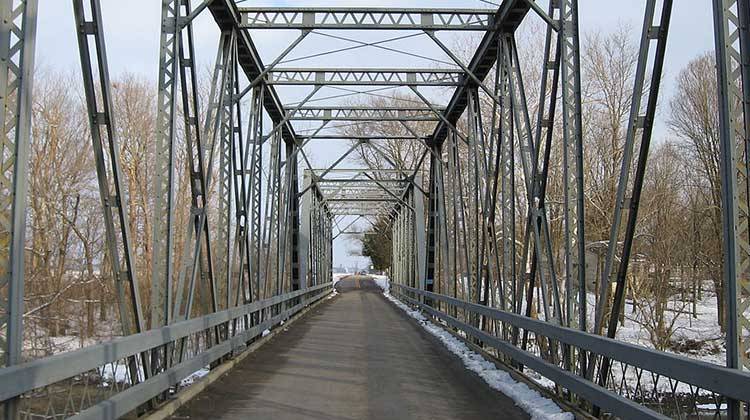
{"x":355,"y":356}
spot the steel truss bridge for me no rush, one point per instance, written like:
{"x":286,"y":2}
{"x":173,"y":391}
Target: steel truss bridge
{"x":265,"y":253}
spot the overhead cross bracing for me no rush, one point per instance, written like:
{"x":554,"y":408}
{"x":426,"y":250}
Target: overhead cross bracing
{"x":368,"y":77}
{"x":358,"y":192}
{"x":367,"y":18}
{"x":389,"y":119}
{"x":364,"y":114}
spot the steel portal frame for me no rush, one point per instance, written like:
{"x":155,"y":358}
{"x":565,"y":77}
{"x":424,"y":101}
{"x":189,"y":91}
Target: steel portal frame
{"x":269,"y":247}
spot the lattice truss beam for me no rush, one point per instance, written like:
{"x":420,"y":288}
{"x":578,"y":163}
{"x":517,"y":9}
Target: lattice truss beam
{"x":369,"y":77}
{"x":367,"y":18}
{"x":358,"y":192}
{"x":364,"y":114}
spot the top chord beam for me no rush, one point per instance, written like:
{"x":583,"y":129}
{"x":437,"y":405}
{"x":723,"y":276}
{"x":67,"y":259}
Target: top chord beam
{"x":367,"y":18}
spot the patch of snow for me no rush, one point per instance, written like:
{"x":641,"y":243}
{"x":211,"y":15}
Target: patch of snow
{"x":265,"y":332}
{"x":198,"y":374}
{"x":704,"y":328}
{"x":528,"y":399}
{"x":383,"y":283}
{"x":117,"y":373}
{"x":711,"y":407}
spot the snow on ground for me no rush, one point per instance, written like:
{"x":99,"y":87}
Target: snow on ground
{"x":703,"y":332}
{"x":528,"y":399}
{"x":118,"y":373}
{"x":698,"y":338}
{"x":115,"y":373}
{"x":382,"y":282}
{"x":198,"y":374}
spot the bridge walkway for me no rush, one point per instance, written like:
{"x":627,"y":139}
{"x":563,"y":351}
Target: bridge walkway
{"x":355,"y":356}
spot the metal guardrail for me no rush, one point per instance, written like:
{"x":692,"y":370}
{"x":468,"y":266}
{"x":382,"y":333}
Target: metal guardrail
{"x":24,"y":378}
{"x":725,"y":382}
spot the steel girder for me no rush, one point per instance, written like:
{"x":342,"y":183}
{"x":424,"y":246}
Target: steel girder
{"x":366,"y":77}
{"x":362,"y":114}
{"x":367,"y":18}
{"x":368,"y":138}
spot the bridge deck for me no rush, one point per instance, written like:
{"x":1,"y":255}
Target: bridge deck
{"x":354,"y":357}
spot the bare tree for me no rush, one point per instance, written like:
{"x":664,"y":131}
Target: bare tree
{"x":694,"y":119}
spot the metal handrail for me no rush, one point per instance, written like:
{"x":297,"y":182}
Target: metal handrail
{"x":19,"y":379}
{"x":730,"y":383}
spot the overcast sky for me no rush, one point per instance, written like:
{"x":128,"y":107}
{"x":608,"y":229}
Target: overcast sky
{"x":132,"y":36}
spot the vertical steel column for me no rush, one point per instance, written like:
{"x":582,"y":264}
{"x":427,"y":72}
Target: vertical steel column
{"x":507,"y":186}
{"x":109,"y":173}
{"x":329,"y":249}
{"x":320,"y":240}
{"x":542,"y":263}
{"x":163,"y":181}
{"x":256,"y":184}
{"x":475,"y":137}
{"x":396,"y":259}
{"x":573,"y":208}
{"x":732,"y":38}
{"x":442,"y":223}
{"x":225,"y":185}
{"x":241,"y":151}
{"x":17,"y":43}
{"x":276,"y":212}
{"x":628,"y":196}
{"x":306,"y":240}
{"x":197,"y":254}
{"x":494,"y":285}
{"x":294,"y":220}
{"x":316,"y":237}
{"x":433,"y":223}
{"x":418,"y":248}
{"x":460,"y":219}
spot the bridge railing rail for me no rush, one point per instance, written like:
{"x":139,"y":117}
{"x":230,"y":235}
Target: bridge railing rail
{"x":111,"y":379}
{"x":643,"y":382}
